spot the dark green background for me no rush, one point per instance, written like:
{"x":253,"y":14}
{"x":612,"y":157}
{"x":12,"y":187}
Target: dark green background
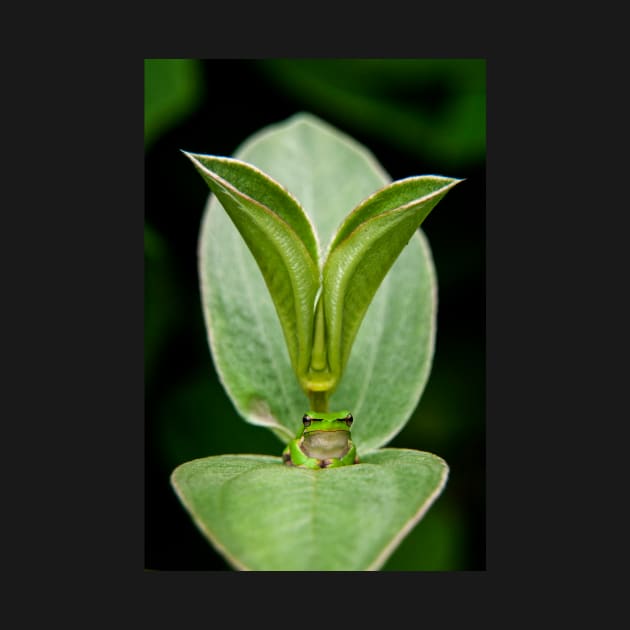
{"x":417,"y":117}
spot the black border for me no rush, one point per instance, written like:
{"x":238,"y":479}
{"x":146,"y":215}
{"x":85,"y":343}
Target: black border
{"x":102,"y":348}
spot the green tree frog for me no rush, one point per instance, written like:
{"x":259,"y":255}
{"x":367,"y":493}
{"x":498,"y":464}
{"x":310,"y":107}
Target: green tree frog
{"x":323,"y":442}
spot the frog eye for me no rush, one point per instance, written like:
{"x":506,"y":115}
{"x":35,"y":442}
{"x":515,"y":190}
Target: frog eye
{"x":349,"y":419}
{"x":306,"y":420}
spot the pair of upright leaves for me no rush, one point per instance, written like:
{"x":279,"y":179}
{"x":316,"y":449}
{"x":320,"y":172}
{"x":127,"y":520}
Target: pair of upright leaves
{"x":286,"y":298}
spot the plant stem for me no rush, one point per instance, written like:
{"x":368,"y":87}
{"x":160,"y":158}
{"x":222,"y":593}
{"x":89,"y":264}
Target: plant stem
{"x":318,"y":352}
{"x":319,"y":401}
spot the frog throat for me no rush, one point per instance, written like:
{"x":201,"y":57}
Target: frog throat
{"x":325,"y":444}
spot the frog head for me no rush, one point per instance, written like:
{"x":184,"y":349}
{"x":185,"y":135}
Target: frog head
{"x":315,"y":421}
{"x":326,"y":436}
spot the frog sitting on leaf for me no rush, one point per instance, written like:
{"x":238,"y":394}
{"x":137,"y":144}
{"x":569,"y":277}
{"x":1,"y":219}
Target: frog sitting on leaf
{"x":323,"y":442}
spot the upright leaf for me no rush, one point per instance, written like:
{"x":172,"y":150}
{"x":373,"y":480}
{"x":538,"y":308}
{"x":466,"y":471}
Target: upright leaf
{"x":329,"y":173}
{"x":363,"y":251}
{"x":281,"y":239}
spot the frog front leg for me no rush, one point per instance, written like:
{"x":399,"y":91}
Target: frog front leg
{"x":293,"y":455}
{"x":350,"y":457}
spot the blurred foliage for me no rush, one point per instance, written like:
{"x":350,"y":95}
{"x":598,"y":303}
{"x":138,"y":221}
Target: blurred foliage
{"x":417,"y":116}
{"x":432,"y":108}
{"x":172,"y":89}
{"x":159,"y":299}
{"x":434,"y":544}
{"x":196,"y":420}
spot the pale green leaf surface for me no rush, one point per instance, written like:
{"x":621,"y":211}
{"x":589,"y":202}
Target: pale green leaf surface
{"x":387,"y":370}
{"x":265,"y":516}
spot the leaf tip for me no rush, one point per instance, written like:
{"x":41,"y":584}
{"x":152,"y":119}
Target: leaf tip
{"x":191,"y":156}
{"x":450,"y":183}
{"x":453,"y":181}
{"x":456,"y":180}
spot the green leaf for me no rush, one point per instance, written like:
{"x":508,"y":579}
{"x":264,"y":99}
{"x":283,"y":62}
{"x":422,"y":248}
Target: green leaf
{"x":281,"y":239}
{"x":364,"y":249}
{"x":264,"y":516}
{"x":388,"y":367}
